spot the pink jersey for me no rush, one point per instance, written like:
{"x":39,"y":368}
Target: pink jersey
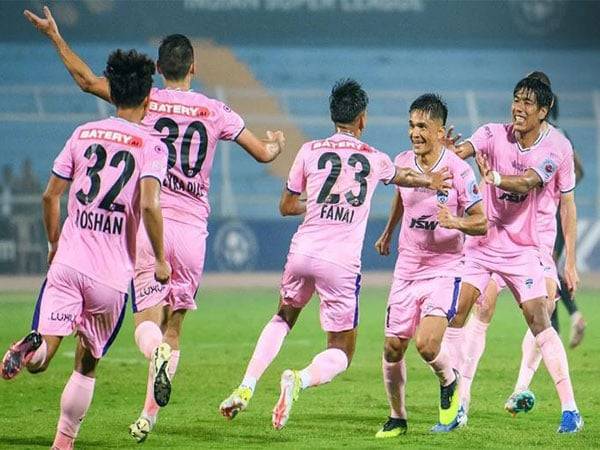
{"x":513,"y":217}
{"x":190,"y":126}
{"x":426,"y":250}
{"x":105,"y":161}
{"x":563,"y":182}
{"x":339,"y":174}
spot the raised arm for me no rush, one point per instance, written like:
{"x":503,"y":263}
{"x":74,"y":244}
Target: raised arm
{"x":568,"y":221}
{"x":517,"y":184}
{"x":153,"y":223}
{"x":85,"y":78}
{"x":51,"y":212}
{"x":474,"y":223}
{"x":262,"y":150}
{"x":383,"y":243}
{"x":291,"y":204}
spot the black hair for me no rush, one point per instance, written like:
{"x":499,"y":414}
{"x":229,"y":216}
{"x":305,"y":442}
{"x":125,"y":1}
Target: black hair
{"x":129,"y":75}
{"x":175,"y":56}
{"x":543,"y":92}
{"x":539,"y":75}
{"x":347,"y":101}
{"x":432,"y":104}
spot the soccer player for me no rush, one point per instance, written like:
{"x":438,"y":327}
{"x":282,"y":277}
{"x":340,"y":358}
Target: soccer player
{"x":558,"y":191}
{"x":190,"y":125}
{"x":427,"y":276}
{"x":115,"y":170}
{"x":518,"y":161}
{"x":339,"y":175}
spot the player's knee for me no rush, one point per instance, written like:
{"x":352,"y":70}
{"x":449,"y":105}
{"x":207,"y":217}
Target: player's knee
{"x":427,"y":348}
{"x":393,"y":350}
{"x":484,"y":314}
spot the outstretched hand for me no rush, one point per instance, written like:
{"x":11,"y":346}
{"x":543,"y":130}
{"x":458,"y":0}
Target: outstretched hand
{"x":449,"y":140}
{"x":440,"y":181}
{"x":46,"y":25}
{"x":484,"y":168}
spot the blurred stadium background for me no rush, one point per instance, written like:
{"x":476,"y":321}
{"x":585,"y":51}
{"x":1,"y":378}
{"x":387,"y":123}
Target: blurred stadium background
{"x":274,"y":62}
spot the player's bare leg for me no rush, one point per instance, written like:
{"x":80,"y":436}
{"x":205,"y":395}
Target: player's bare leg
{"x":267,"y":347}
{"x":76,"y":398}
{"x":323,"y":368}
{"x":394,"y":380}
{"x":453,"y":338}
{"x":555,"y":359}
{"x":474,"y":340}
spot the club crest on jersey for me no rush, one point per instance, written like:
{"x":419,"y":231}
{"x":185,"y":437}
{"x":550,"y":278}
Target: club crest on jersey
{"x":442,"y":197}
{"x":549,"y":166}
{"x":529,"y":283}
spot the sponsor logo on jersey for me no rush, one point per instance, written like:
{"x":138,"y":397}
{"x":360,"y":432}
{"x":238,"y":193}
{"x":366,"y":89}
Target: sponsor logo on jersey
{"x":179,"y":109}
{"x":112,"y":136}
{"x":421,"y":223}
{"x":529,"y":283}
{"x":513,"y":198}
{"x":442,"y":197}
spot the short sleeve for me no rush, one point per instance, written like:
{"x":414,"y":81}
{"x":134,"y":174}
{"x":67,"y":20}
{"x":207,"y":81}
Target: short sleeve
{"x":296,"y":182}
{"x":566,"y":174}
{"x":548,"y":167}
{"x":482,"y":138}
{"x":386,"y":168}
{"x":231,"y":123}
{"x":63,"y":166}
{"x":467,"y":189}
{"x":154,"y":164}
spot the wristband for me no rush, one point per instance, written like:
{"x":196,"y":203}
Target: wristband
{"x":497,"y":178}
{"x":52,"y":246}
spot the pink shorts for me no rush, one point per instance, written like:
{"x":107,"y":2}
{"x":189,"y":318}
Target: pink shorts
{"x":411,"y":300}
{"x":337,"y":287}
{"x":550,"y":271}
{"x":523,"y":274}
{"x":71,"y":301}
{"x":185,"y":247}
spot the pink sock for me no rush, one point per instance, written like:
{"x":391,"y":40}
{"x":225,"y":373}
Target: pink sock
{"x":267,"y":347}
{"x":74,"y":403}
{"x":453,"y":344}
{"x":555,"y":358}
{"x":147,"y":337}
{"x":474,"y":335}
{"x":530,"y":361}
{"x":39,"y":357}
{"x":442,"y":367}
{"x":324,"y":367}
{"x":173,"y":363}
{"x":150,"y":406}
{"x":394,"y":379}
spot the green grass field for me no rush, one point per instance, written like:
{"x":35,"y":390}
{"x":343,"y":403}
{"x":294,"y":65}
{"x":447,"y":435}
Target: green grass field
{"x":218,"y":341}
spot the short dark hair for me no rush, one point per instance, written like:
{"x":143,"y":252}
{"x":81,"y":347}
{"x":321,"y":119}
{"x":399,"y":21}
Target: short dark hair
{"x":129,"y":75}
{"x":546,"y":79}
{"x":175,"y":56}
{"x":347,"y":101}
{"x":543,"y":92}
{"x":432,"y":104}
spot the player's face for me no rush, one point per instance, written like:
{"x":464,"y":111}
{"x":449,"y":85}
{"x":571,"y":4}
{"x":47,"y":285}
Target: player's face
{"x":424,"y":132}
{"x":526,"y":114}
